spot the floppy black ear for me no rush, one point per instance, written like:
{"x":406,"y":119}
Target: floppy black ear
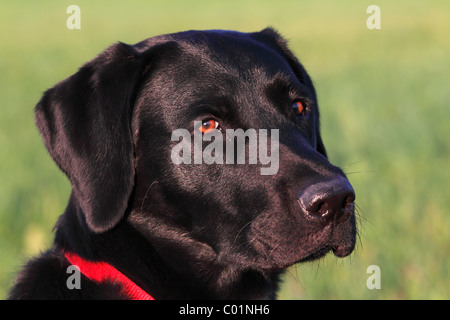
{"x":85,"y":124}
{"x":272,"y":38}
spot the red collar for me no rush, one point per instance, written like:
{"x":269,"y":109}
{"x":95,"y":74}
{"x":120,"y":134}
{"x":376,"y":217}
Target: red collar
{"x":102,"y":271}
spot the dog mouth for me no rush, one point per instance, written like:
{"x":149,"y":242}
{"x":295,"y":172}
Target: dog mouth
{"x":341,"y":242}
{"x":280,"y":252}
{"x":320,"y":253}
{"x":340,"y":251}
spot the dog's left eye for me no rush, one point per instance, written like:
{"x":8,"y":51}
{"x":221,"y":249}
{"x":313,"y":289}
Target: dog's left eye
{"x":299,"y":108}
{"x":208,"y":126}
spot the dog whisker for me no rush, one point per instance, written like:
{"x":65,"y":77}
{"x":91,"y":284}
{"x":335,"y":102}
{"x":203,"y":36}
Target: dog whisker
{"x":145,"y":195}
{"x":362,"y":171}
{"x":237,"y":235}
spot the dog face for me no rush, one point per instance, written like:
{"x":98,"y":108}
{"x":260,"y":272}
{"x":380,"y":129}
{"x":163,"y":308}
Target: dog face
{"x":110,"y":126}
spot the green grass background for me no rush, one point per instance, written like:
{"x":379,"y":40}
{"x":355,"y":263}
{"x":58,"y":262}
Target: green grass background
{"x":384,"y":97}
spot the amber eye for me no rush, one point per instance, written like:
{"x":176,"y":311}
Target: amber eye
{"x":299,"y":108}
{"x":208,"y":126}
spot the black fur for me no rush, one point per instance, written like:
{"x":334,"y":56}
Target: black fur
{"x":187,"y":231}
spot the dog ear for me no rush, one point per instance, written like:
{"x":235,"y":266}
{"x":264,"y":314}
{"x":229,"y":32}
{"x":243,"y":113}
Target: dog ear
{"x":85,"y":124}
{"x":272,"y":38}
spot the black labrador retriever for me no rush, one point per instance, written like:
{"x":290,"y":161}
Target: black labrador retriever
{"x":143,"y":224}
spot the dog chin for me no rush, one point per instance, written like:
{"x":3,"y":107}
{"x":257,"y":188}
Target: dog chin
{"x":339,"y":251}
{"x":320,"y":253}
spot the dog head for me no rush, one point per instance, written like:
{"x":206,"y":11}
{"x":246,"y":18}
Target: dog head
{"x":110,"y":127}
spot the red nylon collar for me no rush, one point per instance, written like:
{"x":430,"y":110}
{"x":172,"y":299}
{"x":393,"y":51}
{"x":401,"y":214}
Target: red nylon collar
{"x":102,"y":271}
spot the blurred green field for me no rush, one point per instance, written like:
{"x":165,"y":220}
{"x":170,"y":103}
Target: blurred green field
{"x":383,"y":94}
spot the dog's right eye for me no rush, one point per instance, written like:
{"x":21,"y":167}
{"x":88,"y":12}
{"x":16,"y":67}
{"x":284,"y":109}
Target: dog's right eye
{"x":208,"y":126}
{"x":299,"y":108}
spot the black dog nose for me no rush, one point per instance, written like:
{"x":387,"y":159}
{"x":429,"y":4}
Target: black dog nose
{"x":329,"y":200}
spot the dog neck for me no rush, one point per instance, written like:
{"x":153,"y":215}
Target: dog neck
{"x":167,"y":272}
{"x":104,"y":272}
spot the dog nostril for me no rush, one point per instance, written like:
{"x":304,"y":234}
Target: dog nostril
{"x":349,"y":203}
{"x":333,"y":200}
{"x":322,"y":209}
{"x":331,"y":206}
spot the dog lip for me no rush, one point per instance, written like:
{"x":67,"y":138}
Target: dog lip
{"x":338,"y":251}
{"x":342,"y":251}
{"x":320,"y":253}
